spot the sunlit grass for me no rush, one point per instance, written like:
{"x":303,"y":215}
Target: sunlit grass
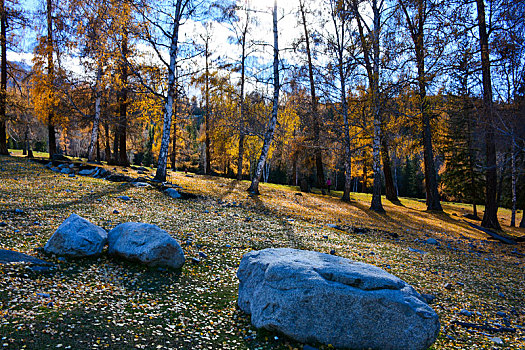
{"x":107,"y":303}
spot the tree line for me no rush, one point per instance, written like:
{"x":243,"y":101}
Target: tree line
{"x":418,"y":98}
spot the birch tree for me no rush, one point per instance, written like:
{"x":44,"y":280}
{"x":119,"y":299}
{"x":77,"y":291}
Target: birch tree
{"x":369,"y":38}
{"x":270,"y":129}
{"x":181,"y":8}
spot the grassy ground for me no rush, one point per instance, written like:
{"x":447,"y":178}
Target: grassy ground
{"x":105,"y":303}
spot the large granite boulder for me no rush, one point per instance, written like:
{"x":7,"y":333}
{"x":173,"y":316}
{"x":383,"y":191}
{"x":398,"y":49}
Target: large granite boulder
{"x":77,"y":237}
{"x":319,"y":298}
{"x":146,"y":243}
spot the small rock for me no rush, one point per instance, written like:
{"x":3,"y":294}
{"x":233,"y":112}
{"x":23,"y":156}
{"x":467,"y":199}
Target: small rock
{"x":203,"y":255}
{"x":501,"y":314}
{"x":173,"y":193}
{"x":417,"y":251}
{"x":29,"y":234}
{"x":308,"y":347}
{"x":124,"y":198}
{"x":19,"y":211}
{"x":65,"y":170}
{"x":43,"y":295}
{"x":432,"y":241}
{"x":195,"y":261}
{"x":140,"y":184}
{"x":116,"y":211}
{"x":428,"y":298}
{"x":332,"y":252}
{"x":497,"y":340}
{"x":461,"y":284}
{"x":501,"y":295}
{"x":449,"y":286}
{"x":87,"y":172}
{"x":3,"y":224}
{"x":464,"y":312}
{"x":228,"y":246}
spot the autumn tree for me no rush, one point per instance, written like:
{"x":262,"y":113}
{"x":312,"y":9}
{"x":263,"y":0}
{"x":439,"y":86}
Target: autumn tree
{"x":369,"y":37}
{"x":314,"y":109}
{"x":268,"y":136}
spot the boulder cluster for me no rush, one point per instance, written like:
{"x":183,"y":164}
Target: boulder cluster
{"x":145,"y":243}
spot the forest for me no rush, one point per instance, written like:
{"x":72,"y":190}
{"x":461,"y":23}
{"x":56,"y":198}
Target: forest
{"x":403,"y":98}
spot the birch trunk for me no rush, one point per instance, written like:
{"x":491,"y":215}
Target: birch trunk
{"x":513,"y":181}
{"x":96,"y":121}
{"x":160,"y":175}
{"x":207,"y":142}
{"x":376,"y":143}
{"x":3,"y":80}
{"x":52,"y":143}
{"x":268,"y":137}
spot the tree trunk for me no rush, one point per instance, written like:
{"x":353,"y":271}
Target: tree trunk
{"x":317,"y":150}
{"x":390,"y":188}
{"x":374,"y":87}
{"x":241,"y":153}
{"x":174,"y":117}
{"x":98,"y":149}
{"x":243,"y":107}
{"x":123,"y":104}
{"x":52,"y":143}
{"x":26,"y":141}
{"x":347,"y":146}
{"x":116,"y":138}
{"x":490,"y":216}
{"x":160,"y":175}
{"x":268,"y":137}
{"x":3,"y":80}
{"x":513,"y":181}
{"x":207,"y":142}
{"x":94,"y":131}
{"x":108,"y":148}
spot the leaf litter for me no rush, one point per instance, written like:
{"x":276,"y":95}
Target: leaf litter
{"x":106,"y":303}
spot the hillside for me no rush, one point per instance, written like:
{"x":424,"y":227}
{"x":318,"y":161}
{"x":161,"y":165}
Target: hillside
{"x":477,"y":283}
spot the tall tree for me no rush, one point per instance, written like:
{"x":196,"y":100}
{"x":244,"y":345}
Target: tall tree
{"x":3,"y":79}
{"x":369,"y":38}
{"x":338,"y":44}
{"x":418,"y":15}
{"x":268,"y":136}
{"x":180,"y":9}
{"x":490,"y":216}
{"x":314,"y":102}
{"x":52,"y":144}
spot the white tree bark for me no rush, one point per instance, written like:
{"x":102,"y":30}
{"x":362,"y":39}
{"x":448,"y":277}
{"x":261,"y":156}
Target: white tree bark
{"x":268,"y":137}
{"x":513,"y":181}
{"x":96,"y":120}
{"x":160,"y":175}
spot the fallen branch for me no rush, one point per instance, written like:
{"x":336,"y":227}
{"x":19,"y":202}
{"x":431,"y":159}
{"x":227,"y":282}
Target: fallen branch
{"x":492,"y":234}
{"x":486,"y":328}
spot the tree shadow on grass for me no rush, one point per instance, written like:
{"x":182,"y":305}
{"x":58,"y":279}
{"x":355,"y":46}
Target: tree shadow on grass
{"x":86,"y":199}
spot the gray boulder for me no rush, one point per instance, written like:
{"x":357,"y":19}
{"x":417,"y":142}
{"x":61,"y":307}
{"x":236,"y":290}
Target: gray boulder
{"x":77,"y":237}
{"x":146,"y":243}
{"x":86,"y":172}
{"x":173,"y":193}
{"x":314,"y":297}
